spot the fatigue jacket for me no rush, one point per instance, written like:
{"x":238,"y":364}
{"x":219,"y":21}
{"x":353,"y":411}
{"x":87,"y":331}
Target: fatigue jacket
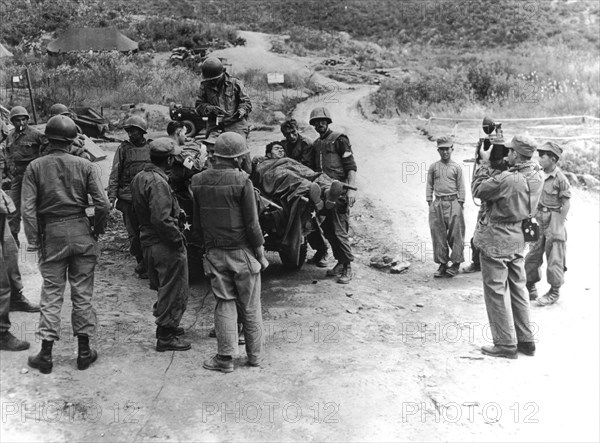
{"x":510,"y":197}
{"x":230,"y":97}
{"x":128,"y":161}
{"x":156,"y":208}
{"x":22,"y":148}
{"x":225,"y":213}
{"x":301,"y":151}
{"x":57,"y":185}
{"x":333,"y":155}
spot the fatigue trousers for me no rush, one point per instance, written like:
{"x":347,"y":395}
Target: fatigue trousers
{"x":235,"y":281}
{"x":168,"y":273}
{"x":5,"y":287}
{"x":69,"y":251}
{"x":15,"y":194}
{"x":555,"y":250}
{"x":135,"y":248}
{"x":506,"y":299}
{"x":10,"y":251}
{"x":447,"y":226}
{"x":335,"y":228}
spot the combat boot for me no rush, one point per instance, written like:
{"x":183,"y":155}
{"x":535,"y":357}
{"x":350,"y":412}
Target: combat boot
{"x":167,"y":341}
{"x":335,"y":191}
{"x":9,"y":342}
{"x":219,"y":363}
{"x":336,"y":271}
{"x":346,"y":276}
{"x":314,"y":195}
{"x":473,"y":267}
{"x":550,"y":297}
{"x":85,"y":356}
{"x":441,"y":271}
{"x":500,"y":351}
{"x":527,"y":348}
{"x":18,"y":302}
{"x":43,"y":361}
{"x":452,"y":271}
{"x":533,"y":294}
{"x":320,"y":259}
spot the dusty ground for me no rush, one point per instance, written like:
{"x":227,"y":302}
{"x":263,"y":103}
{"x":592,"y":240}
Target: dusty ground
{"x":388,"y":357}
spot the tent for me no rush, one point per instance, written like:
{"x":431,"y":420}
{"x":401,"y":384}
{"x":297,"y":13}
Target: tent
{"x":4,"y":52}
{"x":91,"y":39}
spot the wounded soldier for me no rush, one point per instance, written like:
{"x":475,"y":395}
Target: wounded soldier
{"x":284,"y":180}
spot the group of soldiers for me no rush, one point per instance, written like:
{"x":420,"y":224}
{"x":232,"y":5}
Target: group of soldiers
{"x":513,"y":190}
{"x":52,"y":186}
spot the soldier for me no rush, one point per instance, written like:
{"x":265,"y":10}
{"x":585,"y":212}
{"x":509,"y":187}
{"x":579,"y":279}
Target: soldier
{"x":226,"y":219}
{"x":446,"y":219}
{"x":301,"y":150}
{"x":55,"y":196}
{"x":333,"y":156}
{"x":552,"y":213}
{"x":23,"y":145}
{"x":8,"y":258}
{"x":131,"y":157}
{"x":223,"y":98}
{"x":510,"y":198}
{"x":78,"y":145}
{"x":156,"y":217}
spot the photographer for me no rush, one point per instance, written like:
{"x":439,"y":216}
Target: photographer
{"x":510,"y":198}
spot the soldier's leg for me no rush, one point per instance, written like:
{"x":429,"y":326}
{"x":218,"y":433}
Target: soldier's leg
{"x":556,"y":252}
{"x":519,"y":299}
{"x":81,"y":278}
{"x":248,"y":284}
{"x":53,"y":270}
{"x":170,"y":266}
{"x":4,"y":295}
{"x":437,"y":227}
{"x":534,"y":260}
{"x":497,"y":300}
{"x":456,"y":232}
{"x":340,"y":223}
{"x":14,"y":220}
{"x":11,"y":262}
{"x":218,"y":268}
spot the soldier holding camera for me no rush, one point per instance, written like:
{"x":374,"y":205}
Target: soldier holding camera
{"x":510,"y":197}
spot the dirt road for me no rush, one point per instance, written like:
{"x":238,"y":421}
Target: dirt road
{"x":388,"y":357}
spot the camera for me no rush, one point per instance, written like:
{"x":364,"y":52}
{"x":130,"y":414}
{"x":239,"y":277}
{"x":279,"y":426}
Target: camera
{"x":493,"y":140}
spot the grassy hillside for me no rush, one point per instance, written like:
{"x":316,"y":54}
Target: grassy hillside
{"x":466,"y":24}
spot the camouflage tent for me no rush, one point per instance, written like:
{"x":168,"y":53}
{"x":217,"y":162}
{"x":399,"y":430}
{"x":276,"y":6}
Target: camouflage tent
{"x":91,"y":39}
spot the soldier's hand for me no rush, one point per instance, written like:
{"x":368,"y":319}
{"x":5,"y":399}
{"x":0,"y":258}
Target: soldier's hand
{"x":462,"y":204}
{"x":485,"y":155}
{"x":241,"y":113}
{"x":259,"y":253}
{"x":351,"y":197}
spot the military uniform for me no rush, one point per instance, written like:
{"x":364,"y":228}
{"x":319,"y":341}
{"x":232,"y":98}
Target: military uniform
{"x":553,"y":234}
{"x":55,"y":196}
{"x":445,"y":182}
{"x":156,"y":216}
{"x":499,"y":237}
{"x":333,"y":156}
{"x":128,"y":161}
{"x":229,"y":94}
{"x":226,"y":218}
{"x":301,"y":151}
{"x":22,"y":147}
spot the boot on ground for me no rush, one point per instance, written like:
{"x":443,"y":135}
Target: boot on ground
{"x":9,"y":342}
{"x":43,"y":360}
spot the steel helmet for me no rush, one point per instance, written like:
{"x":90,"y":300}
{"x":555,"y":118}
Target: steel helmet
{"x":488,"y":125}
{"x":319,"y":113}
{"x":230,"y":145}
{"x":212,"y":68}
{"x":58,"y":109}
{"x":61,"y":128}
{"x":18,"y":111}
{"x":135,"y":121}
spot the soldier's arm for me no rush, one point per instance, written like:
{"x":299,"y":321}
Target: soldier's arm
{"x":244,"y":104}
{"x":564,"y":194}
{"x":201,"y":104}
{"x":461,"y":184}
{"x":487,"y":187}
{"x":29,"y":196}
{"x":429,"y":185}
{"x":101,"y":203}
{"x":115,"y":173}
{"x":250,"y":214}
{"x":160,"y":202}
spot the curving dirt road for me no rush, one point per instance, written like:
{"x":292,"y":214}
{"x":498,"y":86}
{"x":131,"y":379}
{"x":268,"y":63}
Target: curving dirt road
{"x":388,"y":357}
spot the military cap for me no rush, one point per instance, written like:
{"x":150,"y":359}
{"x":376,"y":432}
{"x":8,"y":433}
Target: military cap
{"x":551,"y":147}
{"x":445,"y":142}
{"x":523,"y":145}
{"x":163,"y":147}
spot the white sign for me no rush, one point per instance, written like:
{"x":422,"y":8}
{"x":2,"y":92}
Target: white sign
{"x":275,"y":77}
